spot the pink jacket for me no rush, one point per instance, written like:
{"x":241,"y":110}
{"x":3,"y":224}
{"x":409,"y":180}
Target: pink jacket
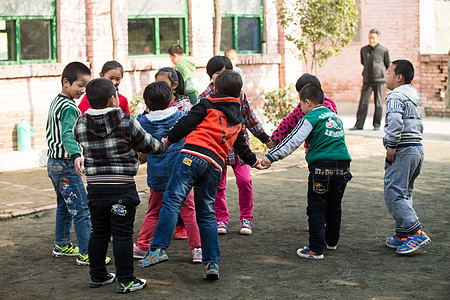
{"x":290,"y":121}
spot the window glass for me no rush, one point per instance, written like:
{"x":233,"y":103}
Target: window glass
{"x":26,"y":7}
{"x":239,"y":7}
{"x":156,"y":7}
{"x":7,"y":40}
{"x":35,"y":40}
{"x":248,"y":34}
{"x":226,"y":36}
{"x":171,"y":31}
{"x":141,"y":36}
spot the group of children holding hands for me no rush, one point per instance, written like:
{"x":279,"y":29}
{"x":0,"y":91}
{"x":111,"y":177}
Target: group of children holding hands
{"x":187,"y":149}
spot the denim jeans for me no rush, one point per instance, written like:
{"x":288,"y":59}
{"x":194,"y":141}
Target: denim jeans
{"x":113,"y":208}
{"x":399,"y":180}
{"x":191,"y":171}
{"x":71,"y":203}
{"x":326,"y":186}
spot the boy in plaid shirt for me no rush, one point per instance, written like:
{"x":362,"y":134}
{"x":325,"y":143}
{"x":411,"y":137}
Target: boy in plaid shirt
{"x":109,"y":138}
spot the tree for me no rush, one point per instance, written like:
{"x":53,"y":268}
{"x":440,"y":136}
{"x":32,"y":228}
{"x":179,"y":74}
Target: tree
{"x":319,"y":29}
{"x":217,"y":26}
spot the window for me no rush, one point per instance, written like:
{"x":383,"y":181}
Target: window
{"x":153,"y":26}
{"x":27,"y":31}
{"x":242,"y":23}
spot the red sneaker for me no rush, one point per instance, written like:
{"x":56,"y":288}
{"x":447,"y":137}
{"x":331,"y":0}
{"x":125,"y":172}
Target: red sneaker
{"x":180,"y":233}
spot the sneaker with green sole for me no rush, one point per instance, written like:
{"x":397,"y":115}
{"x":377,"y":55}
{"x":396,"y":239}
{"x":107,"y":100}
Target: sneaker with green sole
{"x":66,"y":250}
{"x":83,"y":260}
{"x":136,"y":284}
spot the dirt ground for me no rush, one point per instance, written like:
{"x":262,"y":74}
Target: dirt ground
{"x":264,"y":265}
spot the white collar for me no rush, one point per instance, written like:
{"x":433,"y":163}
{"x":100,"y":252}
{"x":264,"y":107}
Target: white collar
{"x":101,"y":111}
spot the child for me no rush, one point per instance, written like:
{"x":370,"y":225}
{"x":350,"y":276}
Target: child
{"x":210,"y":130}
{"x":157,"y":122}
{"x":109,"y":138}
{"x":294,"y":116}
{"x":215,"y":66}
{"x":329,"y":169}
{"x":64,"y":154}
{"x":404,"y":157}
{"x":233,"y":56}
{"x":186,"y":68}
{"x":113,"y":71}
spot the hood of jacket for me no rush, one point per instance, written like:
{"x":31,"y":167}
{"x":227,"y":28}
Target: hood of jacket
{"x":230,"y":106}
{"x":409,"y":92}
{"x":158,"y":122}
{"x":101,"y":122}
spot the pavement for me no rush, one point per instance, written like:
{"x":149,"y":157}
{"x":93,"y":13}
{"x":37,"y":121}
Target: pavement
{"x":29,"y":191}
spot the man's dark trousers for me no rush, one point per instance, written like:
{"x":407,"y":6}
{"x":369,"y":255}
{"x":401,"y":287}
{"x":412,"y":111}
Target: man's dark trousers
{"x":378,"y":92}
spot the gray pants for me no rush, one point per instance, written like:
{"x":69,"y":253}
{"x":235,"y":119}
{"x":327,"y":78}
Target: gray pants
{"x":399,"y":180}
{"x":378,"y":96}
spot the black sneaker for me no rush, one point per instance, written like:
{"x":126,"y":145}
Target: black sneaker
{"x":136,"y":284}
{"x":110,"y":277}
{"x":211,"y":271}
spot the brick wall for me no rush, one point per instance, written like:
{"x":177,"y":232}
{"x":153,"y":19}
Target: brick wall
{"x":433,"y":84}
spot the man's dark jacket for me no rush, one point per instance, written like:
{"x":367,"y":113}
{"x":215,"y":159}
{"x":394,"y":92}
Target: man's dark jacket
{"x":375,"y":61}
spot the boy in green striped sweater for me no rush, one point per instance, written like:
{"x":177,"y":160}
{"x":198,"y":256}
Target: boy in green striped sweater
{"x":64,"y":153}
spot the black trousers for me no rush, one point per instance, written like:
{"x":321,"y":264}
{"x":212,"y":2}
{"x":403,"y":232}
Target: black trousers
{"x":378,"y":95}
{"x":113,"y":208}
{"x":326,"y":186}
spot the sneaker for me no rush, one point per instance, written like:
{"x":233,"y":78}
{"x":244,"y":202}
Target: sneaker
{"x":66,"y":250}
{"x":138,"y":253}
{"x":246,"y":227}
{"x":110,"y":277}
{"x":136,"y":284}
{"x":331,"y":247}
{"x":83,"y":260}
{"x":307,"y":253}
{"x":222,"y":228}
{"x":395,"y":242}
{"x":197,"y":255}
{"x":413,"y":243}
{"x":211,"y":271}
{"x":180,"y":232}
{"x":153,"y":257}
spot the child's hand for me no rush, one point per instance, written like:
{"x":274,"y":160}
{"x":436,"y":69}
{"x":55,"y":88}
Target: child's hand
{"x":142,"y":158}
{"x":265,"y":163}
{"x":390,"y":154}
{"x":270,"y":144}
{"x":79,"y":163}
{"x":166,"y":143}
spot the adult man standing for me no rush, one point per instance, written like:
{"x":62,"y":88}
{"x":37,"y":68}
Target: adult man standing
{"x":375,"y":59}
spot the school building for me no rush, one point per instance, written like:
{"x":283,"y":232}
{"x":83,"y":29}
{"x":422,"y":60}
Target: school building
{"x":39,"y":37}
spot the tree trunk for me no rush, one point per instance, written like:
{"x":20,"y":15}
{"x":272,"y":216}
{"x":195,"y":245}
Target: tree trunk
{"x":114,"y":33}
{"x":217,"y":27}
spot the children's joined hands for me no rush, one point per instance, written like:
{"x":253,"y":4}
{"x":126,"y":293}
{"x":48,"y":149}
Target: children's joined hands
{"x":270,"y":144}
{"x":265,"y":163}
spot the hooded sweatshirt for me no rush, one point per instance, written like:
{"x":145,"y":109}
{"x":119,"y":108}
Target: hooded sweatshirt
{"x":403,"y":123}
{"x":109,"y":138}
{"x":159,"y":167}
{"x":187,"y":69}
{"x":211,"y":128}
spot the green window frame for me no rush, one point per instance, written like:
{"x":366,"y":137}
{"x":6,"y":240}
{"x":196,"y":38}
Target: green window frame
{"x":15,"y":56}
{"x":154,"y":23}
{"x":235,"y":30}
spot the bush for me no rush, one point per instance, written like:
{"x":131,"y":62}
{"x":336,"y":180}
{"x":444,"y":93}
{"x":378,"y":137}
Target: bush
{"x":279,"y":103}
{"x":137,"y":105}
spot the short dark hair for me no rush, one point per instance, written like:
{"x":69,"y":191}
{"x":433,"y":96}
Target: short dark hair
{"x":175,"y":49}
{"x":305,"y":79}
{"x":405,"y":68}
{"x":173,"y":75}
{"x":375,"y":30}
{"x":73,"y":70}
{"x":98,"y":92}
{"x":217,"y":63}
{"x":157,"y":95}
{"x":111,"y":65}
{"x":313,"y":93}
{"x":229,"y":83}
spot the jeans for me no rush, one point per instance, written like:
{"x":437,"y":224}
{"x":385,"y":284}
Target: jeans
{"x":191,"y":171}
{"x":326,"y":186}
{"x":71,"y":204}
{"x":113,"y":208}
{"x":399,"y":180}
{"x":245,"y":187}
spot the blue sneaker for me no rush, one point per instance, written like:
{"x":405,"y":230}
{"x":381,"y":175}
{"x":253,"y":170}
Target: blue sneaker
{"x":153,"y":257}
{"x":246,"y":227}
{"x":395,"y":242}
{"x":222,"y":227}
{"x":413,"y":243}
{"x":211,"y":271}
{"x":307,"y":253}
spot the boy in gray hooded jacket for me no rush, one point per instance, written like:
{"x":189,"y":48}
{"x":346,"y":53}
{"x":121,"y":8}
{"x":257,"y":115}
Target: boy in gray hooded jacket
{"x":404,"y":156}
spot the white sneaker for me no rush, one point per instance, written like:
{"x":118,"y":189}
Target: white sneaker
{"x":197,"y":255}
{"x":222,"y":228}
{"x":246,"y":227}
